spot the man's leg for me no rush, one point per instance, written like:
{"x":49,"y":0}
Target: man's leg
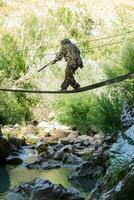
{"x":73,"y":82}
{"x":66,"y":81}
{"x":69,"y":79}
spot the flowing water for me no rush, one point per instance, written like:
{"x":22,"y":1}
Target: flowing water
{"x":11,"y":176}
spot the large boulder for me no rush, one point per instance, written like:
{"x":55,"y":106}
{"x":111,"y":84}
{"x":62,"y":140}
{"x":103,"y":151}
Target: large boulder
{"x":14,"y":160}
{"x":59,"y":133}
{"x":123,"y":148}
{"x":70,"y":139}
{"x":16,"y":143}
{"x":90,"y":169}
{"x":123,"y":189}
{"x":45,"y":150}
{"x":63,"y":151}
{"x":44,"y":164}
{"x":41,"y":149}
{"x":74,"y":138}
{"x":40,"y":189}
{"x":97,"y":164}
{"x":4,"y":149}
{"x":73,"y":159}
{"x":127,"y":117}
{"x":118,"y":183}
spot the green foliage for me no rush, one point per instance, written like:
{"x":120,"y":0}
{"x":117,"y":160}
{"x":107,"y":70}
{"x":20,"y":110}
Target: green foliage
{"x":33,"y":41}
{"x":15,"y":108}
{"x":122,"y":63}
{"x":1,"y":3}
{"x":12,"y":111}
{"x":87,"y":112}
{"x":11,"y":59}
{"x":128,"y":57}
{"x":31,"y":26}
{"x":109,"y":108}
{"x":76,"y":111}
{"x":64,"y":16}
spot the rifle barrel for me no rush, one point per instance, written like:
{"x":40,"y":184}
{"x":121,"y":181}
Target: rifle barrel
{"x":45,"y":66}
{"x":42,"y":68}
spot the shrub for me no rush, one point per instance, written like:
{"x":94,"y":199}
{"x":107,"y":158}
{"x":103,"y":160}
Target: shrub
{"x":15,"y":108}
{"x":11,"y":58}
{"x":76,"y":111}
{"x":88,"y":112}
{"x":12,"y":111}
{"x":109,"y":109}
{"x":127,"y":57}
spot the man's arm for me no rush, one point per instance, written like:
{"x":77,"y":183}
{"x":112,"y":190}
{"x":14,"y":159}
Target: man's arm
{"x":59,"y":55}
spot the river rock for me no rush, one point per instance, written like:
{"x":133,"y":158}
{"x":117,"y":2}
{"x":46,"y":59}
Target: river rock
{"x":70,"y":139}
{"x":4,"y":149}
{"x":54,"y":135}
{"x":127,"y":117}
{"x":56,"y":146}
{"x":59,"y":133}
{"x":13,"y":160}
{"x":123,"y":148}
{"x":61,"y":153}
{"x":16,"y":143}
{"x":97,"y":164}
{"x":82,"y":140}
{"x":88,"y":140}
{"x":41,"y":149}
{"x":50,"y":152}
{"x":31,"y":139}
{"x":40,"y":189}
{"x":70,"y":158}
{"x":111,"y":138}
{"x":119,"y":186}
{"x":122,"y":189}
{"x":90,"y":169}
{"x":44,"y":164}
{"x":86,"y":152}
{"x":45,"y":150}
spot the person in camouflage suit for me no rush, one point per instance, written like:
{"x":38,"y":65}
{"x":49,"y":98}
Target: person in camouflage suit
{"x":71,"y":54}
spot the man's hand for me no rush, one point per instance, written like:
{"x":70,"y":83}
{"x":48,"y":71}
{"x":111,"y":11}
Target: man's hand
{"x":53,"y":62}
{"x":81,"y":66}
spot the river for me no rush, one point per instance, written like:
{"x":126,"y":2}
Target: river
{"x":11,"y":176}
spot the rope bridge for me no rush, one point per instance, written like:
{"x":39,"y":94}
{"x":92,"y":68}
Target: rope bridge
{"x":82,"y":89}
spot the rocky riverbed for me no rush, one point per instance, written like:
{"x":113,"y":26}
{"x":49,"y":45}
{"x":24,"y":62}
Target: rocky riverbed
{"x":44,"y":150}
{"x":91,"y":160}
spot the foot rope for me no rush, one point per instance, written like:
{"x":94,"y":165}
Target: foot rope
{"x":82,"y":89}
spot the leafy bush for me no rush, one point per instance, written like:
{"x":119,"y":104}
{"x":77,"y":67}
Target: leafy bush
{"x":11,"y":58}
{"x":14,"y":108}
{"x":87,"y":112}
{"x":127,"y":57}
{"x":76,"y":111}
{"x":109,"y":109}
{"x":12,"y":111}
